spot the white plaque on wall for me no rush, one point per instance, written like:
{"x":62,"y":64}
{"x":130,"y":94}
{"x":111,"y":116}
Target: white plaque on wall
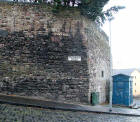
{"x":74,"y":58}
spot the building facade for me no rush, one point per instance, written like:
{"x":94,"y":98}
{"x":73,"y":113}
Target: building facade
{"x":62,"y":57}
{"x":136,"y":83}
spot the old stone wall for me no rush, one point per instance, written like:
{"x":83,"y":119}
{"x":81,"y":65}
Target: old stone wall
{"x":98,"y":62}
{"x":35,"y":50}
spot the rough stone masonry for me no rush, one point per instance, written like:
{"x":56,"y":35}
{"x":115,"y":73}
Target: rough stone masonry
{"x":63,"y":57}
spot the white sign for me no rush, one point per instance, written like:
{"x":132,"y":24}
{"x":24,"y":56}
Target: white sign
{"x":74,"y":58}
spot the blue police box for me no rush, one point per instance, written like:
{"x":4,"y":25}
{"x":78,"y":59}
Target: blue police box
{"x":122,"y":90}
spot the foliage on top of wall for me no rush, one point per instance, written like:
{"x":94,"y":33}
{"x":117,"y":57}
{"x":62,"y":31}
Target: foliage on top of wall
{"x":93,"y":9}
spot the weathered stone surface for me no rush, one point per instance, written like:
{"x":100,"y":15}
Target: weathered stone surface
{"x":34,"y":48}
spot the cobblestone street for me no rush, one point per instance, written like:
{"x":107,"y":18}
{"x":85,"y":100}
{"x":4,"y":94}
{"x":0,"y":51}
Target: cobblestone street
{"x":12,"y":113}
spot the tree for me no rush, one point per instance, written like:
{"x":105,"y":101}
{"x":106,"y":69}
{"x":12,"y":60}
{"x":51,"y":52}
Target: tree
{"x":93,"y":9}
{"x":105,"y":15}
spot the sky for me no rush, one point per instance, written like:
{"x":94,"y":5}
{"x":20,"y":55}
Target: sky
{"x":125,"y":31}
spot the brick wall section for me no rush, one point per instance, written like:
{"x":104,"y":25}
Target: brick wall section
{"x":34,"y":49}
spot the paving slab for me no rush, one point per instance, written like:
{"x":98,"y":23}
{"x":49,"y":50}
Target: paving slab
{"x":16,"y":100}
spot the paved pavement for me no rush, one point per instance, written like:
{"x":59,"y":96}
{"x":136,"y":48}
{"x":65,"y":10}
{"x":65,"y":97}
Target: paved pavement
{"x":13,"y":113}
{"x":137,"y":102}
{"x":67,"y":107}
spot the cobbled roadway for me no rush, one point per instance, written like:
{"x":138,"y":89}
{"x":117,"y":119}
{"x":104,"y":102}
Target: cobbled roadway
{"x":13,"y":113}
